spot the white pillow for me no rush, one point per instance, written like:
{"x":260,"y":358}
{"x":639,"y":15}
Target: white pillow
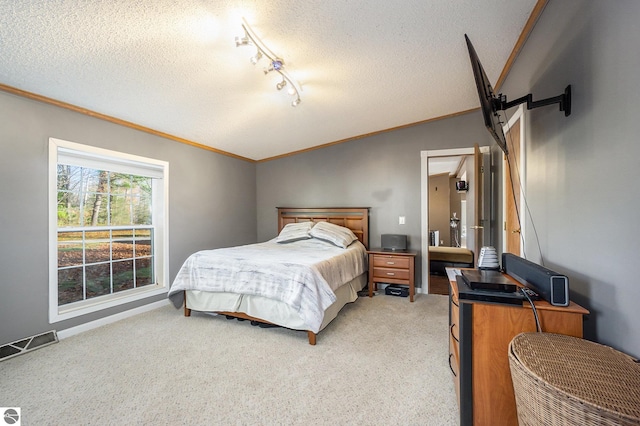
{"x":335,"y":234}
{"x":294,"y":232}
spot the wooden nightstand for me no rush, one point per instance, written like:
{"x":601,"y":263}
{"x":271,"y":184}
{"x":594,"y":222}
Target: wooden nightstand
{"x":392,"y":267}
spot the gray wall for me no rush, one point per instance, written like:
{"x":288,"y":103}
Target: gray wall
{"x":381,"y":172}
{"x":582,"y":171}
{"x":212,"y":203}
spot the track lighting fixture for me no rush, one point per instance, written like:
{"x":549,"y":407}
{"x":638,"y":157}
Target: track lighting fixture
{"x":276,"y":64}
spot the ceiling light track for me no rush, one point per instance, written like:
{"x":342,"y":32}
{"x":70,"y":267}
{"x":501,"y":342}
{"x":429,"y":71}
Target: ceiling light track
{"x":275,"y":62}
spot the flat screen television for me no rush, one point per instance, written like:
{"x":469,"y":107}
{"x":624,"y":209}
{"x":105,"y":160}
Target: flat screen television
{"x":490,"y":103}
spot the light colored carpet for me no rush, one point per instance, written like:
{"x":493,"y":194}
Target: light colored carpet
{"x":383,"y":361}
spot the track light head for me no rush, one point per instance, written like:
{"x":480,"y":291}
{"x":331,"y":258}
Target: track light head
{"x":242,"y":41}
{"x":255,"y":58}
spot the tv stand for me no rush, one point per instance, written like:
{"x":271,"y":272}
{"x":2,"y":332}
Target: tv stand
{"x":480,"y":333}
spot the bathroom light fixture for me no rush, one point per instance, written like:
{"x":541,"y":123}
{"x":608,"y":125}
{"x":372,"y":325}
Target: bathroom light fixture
{"x":275,"y":63}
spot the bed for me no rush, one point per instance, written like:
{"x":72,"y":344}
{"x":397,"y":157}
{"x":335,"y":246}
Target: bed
{"x":296,"y":282}
{"x":441,"y":257}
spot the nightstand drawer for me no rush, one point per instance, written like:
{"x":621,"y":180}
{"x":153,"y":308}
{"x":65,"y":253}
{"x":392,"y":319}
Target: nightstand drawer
{"x":396,"y":274}
{"x":391,"y":262}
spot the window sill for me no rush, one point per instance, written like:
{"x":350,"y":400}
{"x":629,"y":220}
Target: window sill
{"x":84,"y":307}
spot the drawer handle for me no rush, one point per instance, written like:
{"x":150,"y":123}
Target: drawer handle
{"x":454,"y":301}
{"x":391,"y":274}
{"x":454,"y":337}
{"x":451,"y":367}
{"x":391,"y":263}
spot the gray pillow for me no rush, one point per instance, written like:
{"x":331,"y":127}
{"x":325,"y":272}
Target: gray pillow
{"x":335,"y":234}
{"x":294,"y":232}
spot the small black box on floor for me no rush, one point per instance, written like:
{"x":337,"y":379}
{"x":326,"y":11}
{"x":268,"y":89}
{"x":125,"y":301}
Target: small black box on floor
{"x":394,"y":290}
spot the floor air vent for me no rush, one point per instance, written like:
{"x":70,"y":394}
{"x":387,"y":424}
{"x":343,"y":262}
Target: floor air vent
{"x":20,"y":347}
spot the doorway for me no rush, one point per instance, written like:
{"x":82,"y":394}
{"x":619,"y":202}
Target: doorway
{"x":443,"y":165}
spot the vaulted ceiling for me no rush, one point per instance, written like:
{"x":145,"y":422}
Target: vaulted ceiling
{"x":172,"y":66}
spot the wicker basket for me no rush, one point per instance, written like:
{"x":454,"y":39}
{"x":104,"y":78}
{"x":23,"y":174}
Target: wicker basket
{"x":564,"y":380}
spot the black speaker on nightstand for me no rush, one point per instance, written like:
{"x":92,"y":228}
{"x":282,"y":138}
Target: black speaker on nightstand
{"x":394,"y":242}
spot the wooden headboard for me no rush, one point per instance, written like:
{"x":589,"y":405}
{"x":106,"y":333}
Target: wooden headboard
{"x":354,"y":218}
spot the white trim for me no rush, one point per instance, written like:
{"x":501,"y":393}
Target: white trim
{"x":521,"y":169}
{"x":160,"y":220}
{"x":68,"y":332}
{"x":76,"y":155}
{"x":424,"y":200}
{"x":108,"y":301}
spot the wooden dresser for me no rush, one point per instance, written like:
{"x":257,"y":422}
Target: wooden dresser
{"x":479,"y":338}
{"x":392,"y":267}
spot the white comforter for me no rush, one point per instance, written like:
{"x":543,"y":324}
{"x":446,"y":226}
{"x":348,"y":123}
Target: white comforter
{"x":302,"y":274}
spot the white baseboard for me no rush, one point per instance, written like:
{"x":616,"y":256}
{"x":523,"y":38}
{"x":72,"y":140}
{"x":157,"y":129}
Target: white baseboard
{"x":63,"y":334}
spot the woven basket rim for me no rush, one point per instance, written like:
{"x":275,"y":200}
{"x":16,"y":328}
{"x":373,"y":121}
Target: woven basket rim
{"x":590,"y":403}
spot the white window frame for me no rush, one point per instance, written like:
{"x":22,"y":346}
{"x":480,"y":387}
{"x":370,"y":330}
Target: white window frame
{"x":98,"y":158}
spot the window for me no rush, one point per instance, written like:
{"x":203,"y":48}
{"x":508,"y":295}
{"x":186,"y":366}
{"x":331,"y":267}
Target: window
{"x":108,"y":228}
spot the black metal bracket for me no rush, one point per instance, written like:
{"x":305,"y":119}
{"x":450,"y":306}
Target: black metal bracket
{"x":500,"y":102}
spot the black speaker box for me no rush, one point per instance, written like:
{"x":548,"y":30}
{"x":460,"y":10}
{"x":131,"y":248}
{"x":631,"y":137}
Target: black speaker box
{"x":551,"y":286}
{"x":394,"y":242}
{"x":392,"y":290}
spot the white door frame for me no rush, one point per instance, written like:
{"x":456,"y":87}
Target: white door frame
{"x":521,"y":170}
{"x":424,"y":201}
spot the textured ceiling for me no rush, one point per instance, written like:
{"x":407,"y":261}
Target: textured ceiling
{"x":172,"y":65}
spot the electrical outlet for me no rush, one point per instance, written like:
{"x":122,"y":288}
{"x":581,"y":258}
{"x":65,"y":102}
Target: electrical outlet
{"x":401,"y":220}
